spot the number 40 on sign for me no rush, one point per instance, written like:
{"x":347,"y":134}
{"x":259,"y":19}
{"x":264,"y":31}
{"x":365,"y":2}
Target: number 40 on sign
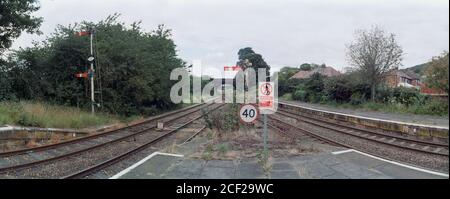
{"x":248,"y":113}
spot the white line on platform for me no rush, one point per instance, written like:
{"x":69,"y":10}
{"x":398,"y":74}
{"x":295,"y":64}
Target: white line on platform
{"x":341,"y":152}
{"x":123,"y":172}
{"x":392,"y":162}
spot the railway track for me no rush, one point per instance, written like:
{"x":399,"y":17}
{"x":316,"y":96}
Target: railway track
{"x":427,"y":147}
{"x":374,"y":143}
{"x":293,"y":131}
{"x":135,"y":127}
{"x":114,"y":160}
{"x":29,"y":162}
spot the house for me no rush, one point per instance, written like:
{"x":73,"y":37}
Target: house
{"x":325,"y":71}
{"x":409,"y":79}
{"x":397,"y":78}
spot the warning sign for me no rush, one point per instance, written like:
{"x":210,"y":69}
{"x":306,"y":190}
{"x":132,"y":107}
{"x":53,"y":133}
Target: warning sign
{"x":248,"y":113}
{"x":266,"y":97}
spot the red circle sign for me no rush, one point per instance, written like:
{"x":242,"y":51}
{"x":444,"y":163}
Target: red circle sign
{"x":248,"y":113}
{"x":266,"y":89}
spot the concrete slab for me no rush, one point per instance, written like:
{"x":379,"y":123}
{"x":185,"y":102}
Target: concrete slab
{"x":335,"y":176}
{"x":186,"y":169}
{"x":359,"y":165}
{"x":152,"y":168}
{"x":314,"y":170}
{"x":220,"y":163}
{"x":286,"y":174}
{"x":330,"y":161}
{"x":246,"y":170}
{"x":360,"y":160}
{"x":277,"y":166}
{"x":398,"y":172}
{"x":355,"y":171}
{"x":217,"y":172}
{"x":343,"y":165}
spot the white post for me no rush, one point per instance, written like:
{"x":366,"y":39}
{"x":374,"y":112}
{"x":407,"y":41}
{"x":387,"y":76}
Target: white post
{"x":92,"y":78}
{"x":266,"y":153}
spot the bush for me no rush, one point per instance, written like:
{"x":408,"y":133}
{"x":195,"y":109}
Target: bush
{"x":300,"y":95}
{"x":287,"y":97}
{"x":224,"y":120}
{"x":357,"y":99}
{"x":432,"y":107}
{"x":288,"y":86}
{"x":399,"y":95}
{"x":342,"y":88}
{"x":338,"y":89}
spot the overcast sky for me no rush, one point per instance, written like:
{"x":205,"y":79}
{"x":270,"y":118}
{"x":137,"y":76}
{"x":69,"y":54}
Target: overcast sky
{"x":284,"y":32}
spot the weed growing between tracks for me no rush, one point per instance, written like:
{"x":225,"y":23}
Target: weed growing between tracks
{"x":226,"y":138}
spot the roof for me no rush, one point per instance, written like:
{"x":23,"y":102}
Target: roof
{"x":404,"y":73}
{"x":327,"y":71}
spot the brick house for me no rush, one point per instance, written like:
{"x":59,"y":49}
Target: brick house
{"x":397,"y":78}
{"x":406,"y":78}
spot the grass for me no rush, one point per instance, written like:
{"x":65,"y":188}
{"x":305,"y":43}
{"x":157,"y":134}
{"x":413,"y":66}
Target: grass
{"x":431,"y":108}
{"x":287,"y":97}
{"x":36,"y":114}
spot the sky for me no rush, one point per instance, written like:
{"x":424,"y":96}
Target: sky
{"x":284,"y":32}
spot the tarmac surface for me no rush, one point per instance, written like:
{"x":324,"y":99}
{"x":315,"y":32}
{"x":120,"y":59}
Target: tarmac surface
{"x":346,"y":165}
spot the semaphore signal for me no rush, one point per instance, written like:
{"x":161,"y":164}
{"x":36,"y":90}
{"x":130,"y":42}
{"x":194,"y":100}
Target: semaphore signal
{"x":91,"y":72}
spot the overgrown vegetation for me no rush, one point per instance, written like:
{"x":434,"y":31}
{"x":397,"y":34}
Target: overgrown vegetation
{"x":346,"y":91}
{"x":133,"y":67}
{"x":437,"y":72}
{"x":46,"y":116}
{"x":224,"y":120}
{"x":373,"y":55}
{"x":351,"y":91}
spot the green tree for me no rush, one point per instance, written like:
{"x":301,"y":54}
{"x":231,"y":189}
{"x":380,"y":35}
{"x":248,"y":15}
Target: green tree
{"x":248,"y":58}
{"x":285,"y":84}
{"x":305,"y":67}
{"x":287,"y":72}
{"x":15,"y":17}
{"x":437,"y":72}
{"x":132,"y":66}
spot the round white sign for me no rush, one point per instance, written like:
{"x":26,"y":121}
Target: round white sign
{"x":248,"y":113}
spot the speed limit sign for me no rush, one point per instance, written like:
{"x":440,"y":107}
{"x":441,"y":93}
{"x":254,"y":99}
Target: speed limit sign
{"x":248,"y":113}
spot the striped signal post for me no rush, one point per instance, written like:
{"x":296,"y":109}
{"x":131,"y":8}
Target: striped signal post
{"x":91,"y":59}
{"x":91,"y":72}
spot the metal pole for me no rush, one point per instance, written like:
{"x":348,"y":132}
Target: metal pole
{"x":92,"y":77}
{"x":265,"y":137}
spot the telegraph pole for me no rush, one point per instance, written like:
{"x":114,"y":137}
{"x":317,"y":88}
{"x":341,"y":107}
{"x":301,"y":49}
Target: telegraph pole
{"x":91,"y":73}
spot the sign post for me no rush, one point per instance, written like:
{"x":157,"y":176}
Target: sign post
{"x":91,"y":59}
{"x":266,"y":106}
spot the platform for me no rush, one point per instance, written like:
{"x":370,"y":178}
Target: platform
{"x":348,"y":164}
{"x":422,"y":120}
{"x":404,"y":124}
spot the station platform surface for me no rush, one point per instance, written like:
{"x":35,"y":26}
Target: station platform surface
{"x":347,"y":164}
{"x":396,"y":117}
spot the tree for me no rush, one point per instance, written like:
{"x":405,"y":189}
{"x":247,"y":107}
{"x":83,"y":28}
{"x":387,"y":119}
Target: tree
{"x":287,"y":72}
{"x":135,"y":67}
{"x":375,"y":53}
{"x":305,"y":67}
{"x":248,"y":58}
{"x":284,"y":81}
{"x":15,"y":17}
{"x":437,"y":72}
